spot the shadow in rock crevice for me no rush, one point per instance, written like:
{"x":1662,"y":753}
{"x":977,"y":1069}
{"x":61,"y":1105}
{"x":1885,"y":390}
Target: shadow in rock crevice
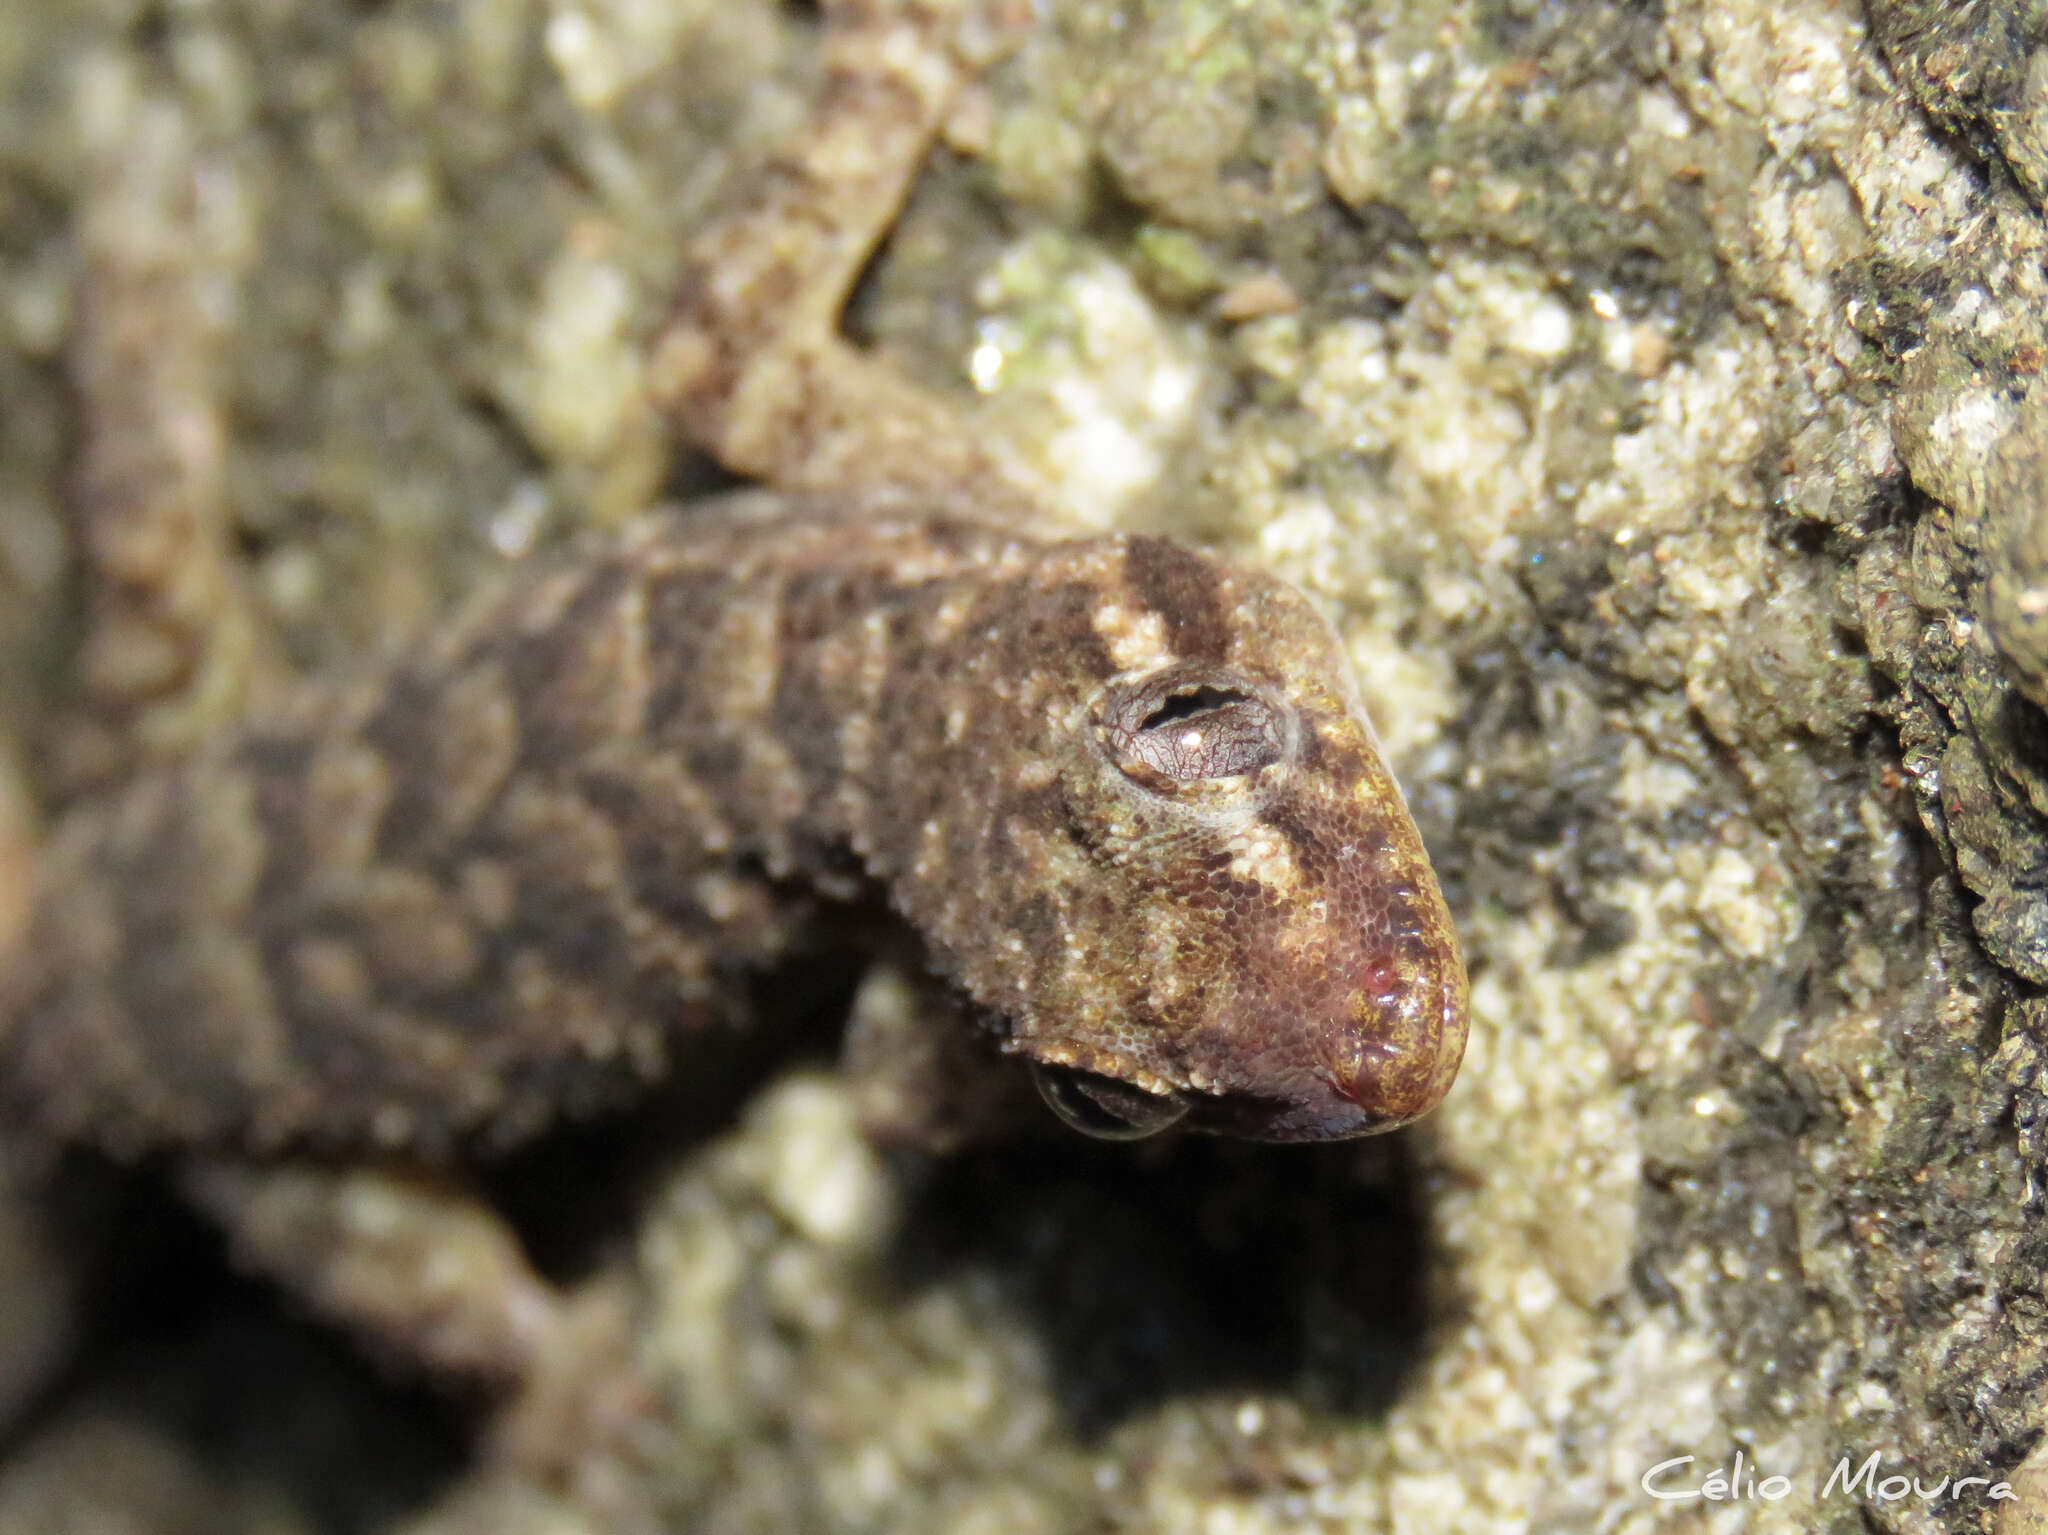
{"x":182,"y":1363}
{"x":1192,"y":1267}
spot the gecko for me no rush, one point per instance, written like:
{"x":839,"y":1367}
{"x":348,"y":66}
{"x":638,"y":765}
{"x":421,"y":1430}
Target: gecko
{"x":1124,"y":793}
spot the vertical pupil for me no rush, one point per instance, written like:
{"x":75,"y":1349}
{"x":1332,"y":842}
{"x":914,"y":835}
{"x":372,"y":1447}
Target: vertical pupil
{"x":1195,"y":732}
{"x":1185,"y":706}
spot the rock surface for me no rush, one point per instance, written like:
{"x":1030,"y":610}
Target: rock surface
{"x":1651,"y":392}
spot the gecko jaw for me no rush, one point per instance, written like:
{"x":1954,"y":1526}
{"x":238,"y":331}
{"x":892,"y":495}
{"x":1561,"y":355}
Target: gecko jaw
{"x":1094,"y":1060}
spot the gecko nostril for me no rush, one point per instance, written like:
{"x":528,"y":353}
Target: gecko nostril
{"x":1407,"y":1035}
{"x":1379,"y":980}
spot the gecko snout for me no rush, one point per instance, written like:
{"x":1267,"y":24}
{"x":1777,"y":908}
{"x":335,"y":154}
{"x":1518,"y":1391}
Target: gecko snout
{"x":1407,"y":1031}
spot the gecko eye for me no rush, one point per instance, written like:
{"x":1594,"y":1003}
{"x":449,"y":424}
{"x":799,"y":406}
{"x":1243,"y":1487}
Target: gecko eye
{"x":1188,"y":725}
{"x":1103,"y":1107}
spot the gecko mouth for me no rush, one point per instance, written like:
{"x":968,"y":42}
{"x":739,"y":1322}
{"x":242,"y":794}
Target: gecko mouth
{"x":1103,"y":1107}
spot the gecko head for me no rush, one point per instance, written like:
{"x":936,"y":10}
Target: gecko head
{"x":1262,"y":949}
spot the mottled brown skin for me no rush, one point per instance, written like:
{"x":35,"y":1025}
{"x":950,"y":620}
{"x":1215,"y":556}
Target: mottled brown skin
{"x":1124,"y":792}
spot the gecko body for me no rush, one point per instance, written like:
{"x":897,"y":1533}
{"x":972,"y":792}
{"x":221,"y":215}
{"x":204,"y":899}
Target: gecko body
{"x":1124,"y":793}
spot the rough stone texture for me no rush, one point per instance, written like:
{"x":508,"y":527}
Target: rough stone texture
{"x":1650,"y":391}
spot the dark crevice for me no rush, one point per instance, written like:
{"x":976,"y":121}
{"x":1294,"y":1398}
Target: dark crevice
{"x":229,"y":1372}
{"x":1192,"y":1266}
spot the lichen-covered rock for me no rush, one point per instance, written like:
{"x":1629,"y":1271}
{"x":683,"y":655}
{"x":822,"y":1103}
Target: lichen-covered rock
{"x":1980,"y":70}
